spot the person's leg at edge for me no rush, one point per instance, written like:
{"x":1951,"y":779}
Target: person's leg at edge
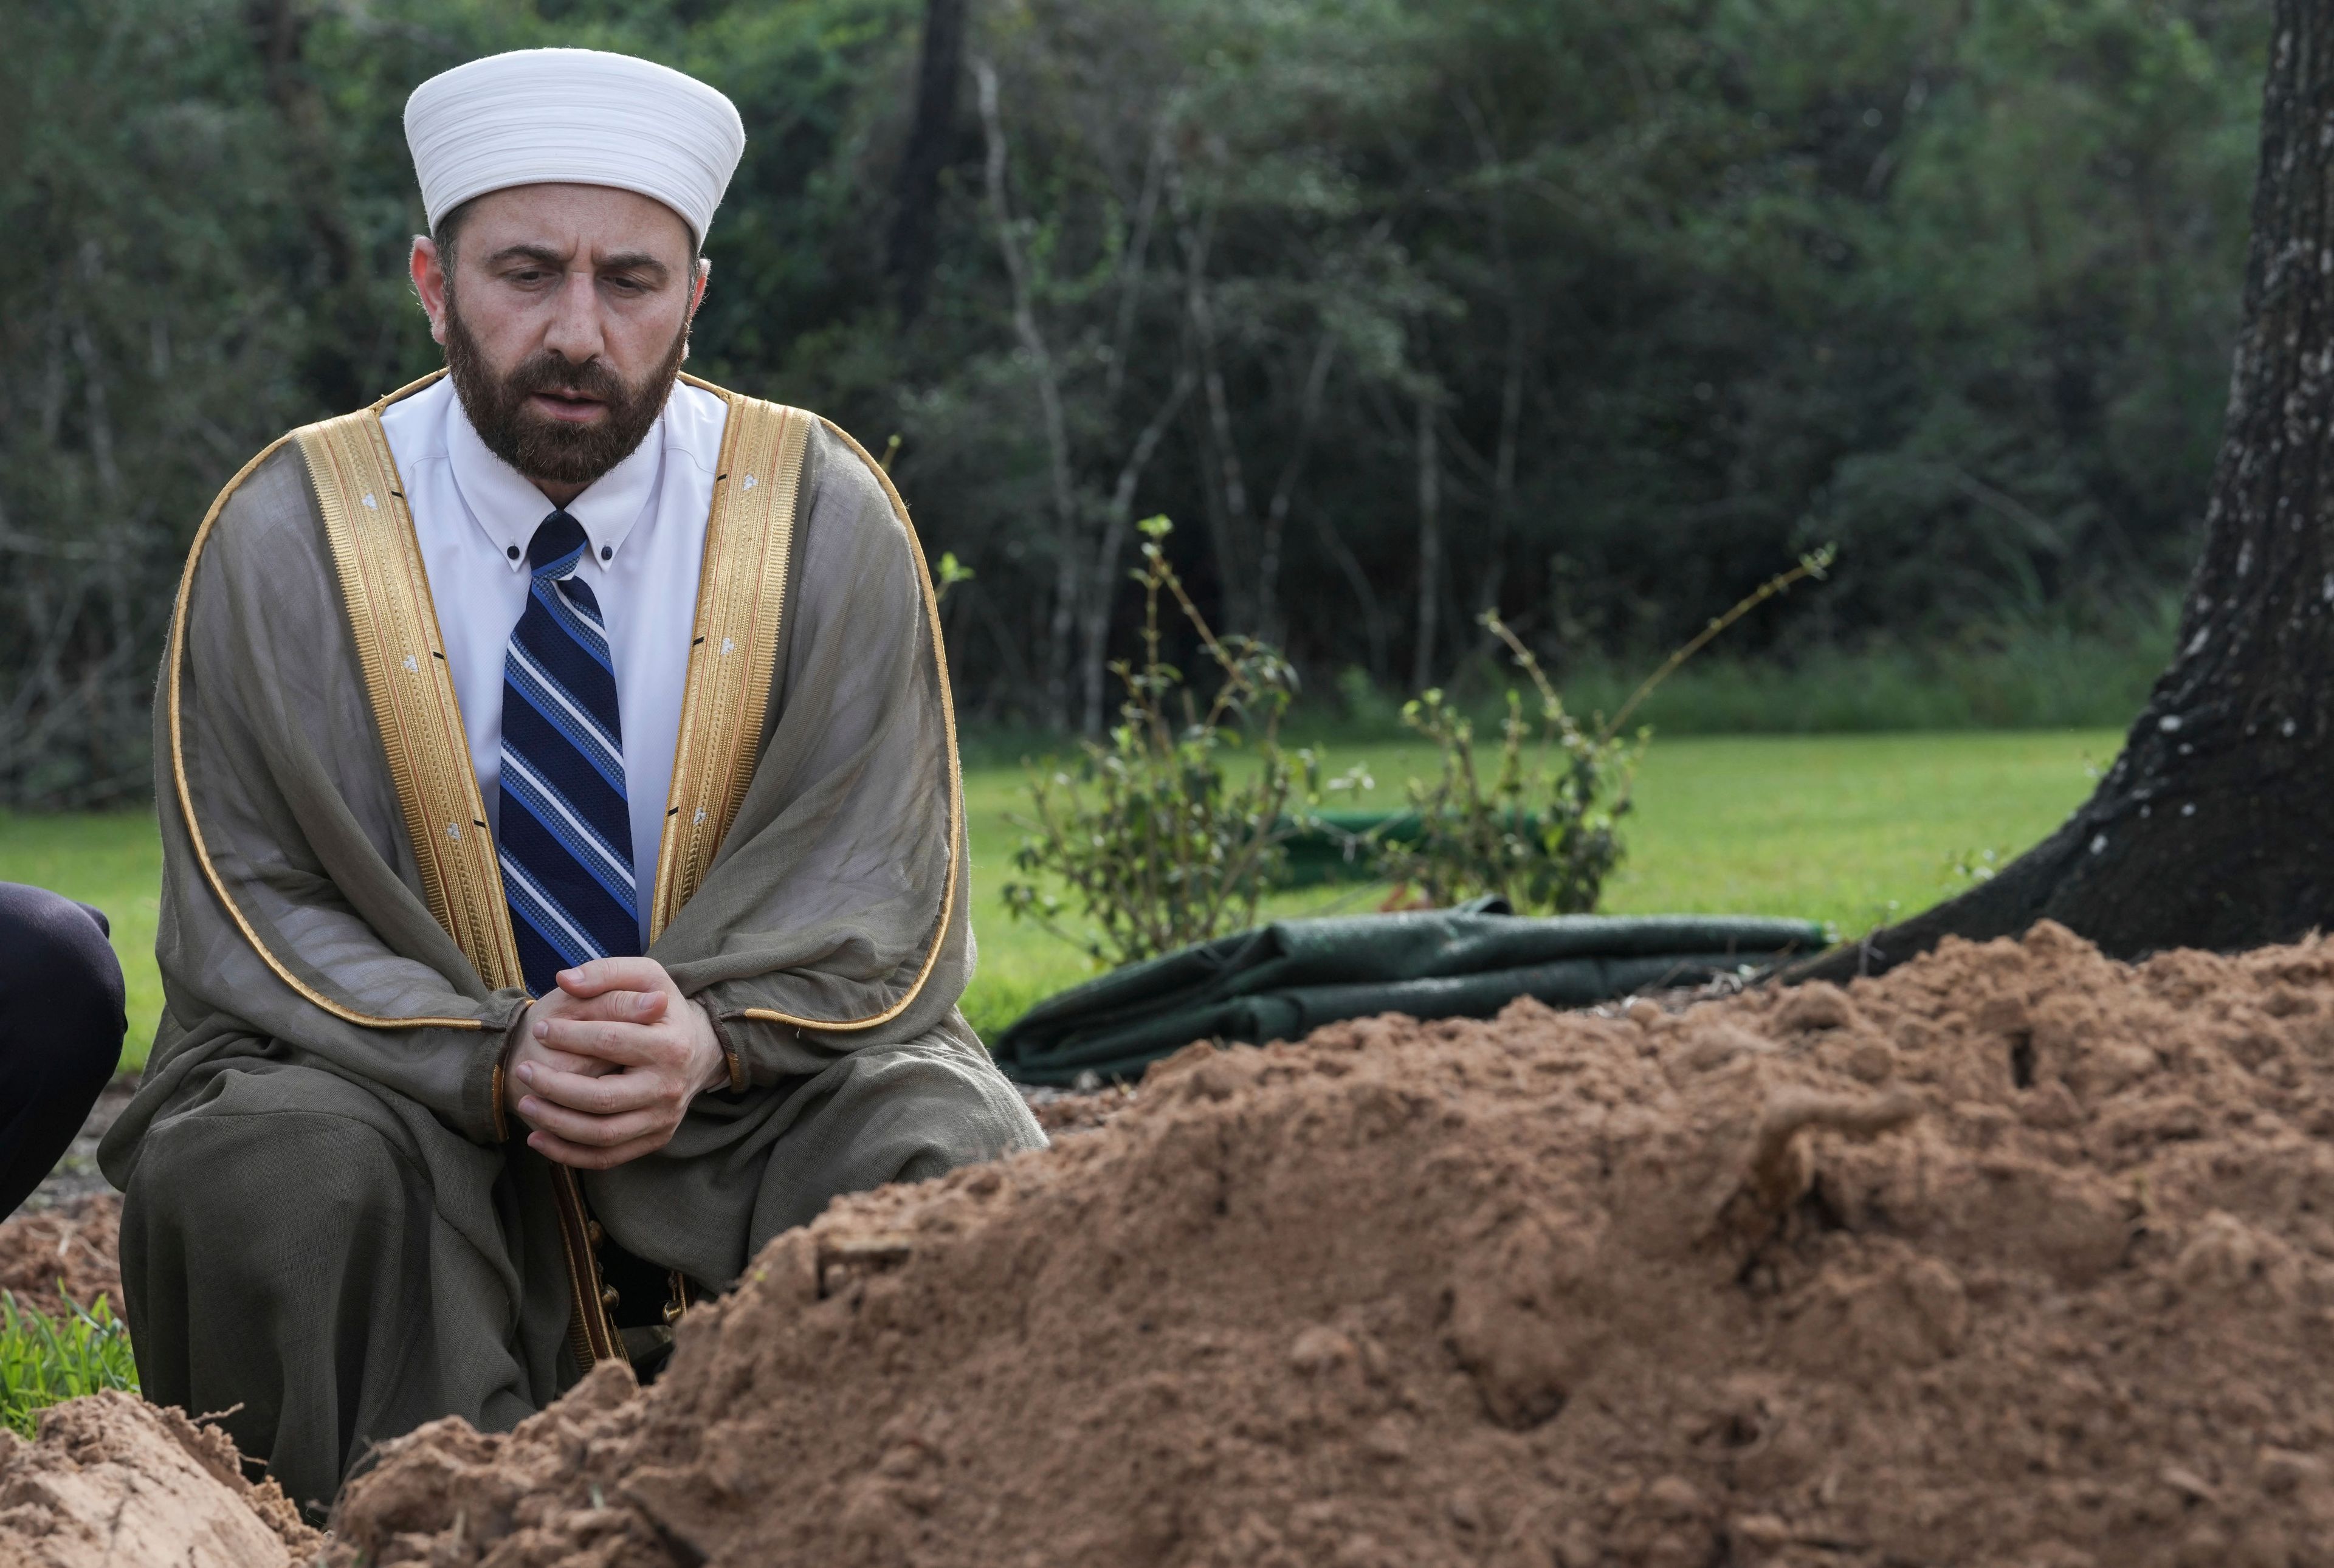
{"x":60,"y":1029}
{"x":285,"y":1260}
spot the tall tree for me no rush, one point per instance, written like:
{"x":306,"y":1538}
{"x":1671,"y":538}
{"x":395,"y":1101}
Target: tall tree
{"x":2215,"y":827}
{"x":915,"y":221}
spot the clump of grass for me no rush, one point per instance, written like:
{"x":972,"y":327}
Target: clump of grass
{"x":45,"y":1360}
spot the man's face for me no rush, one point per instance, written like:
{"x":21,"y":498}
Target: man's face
{"x":566,"y":319}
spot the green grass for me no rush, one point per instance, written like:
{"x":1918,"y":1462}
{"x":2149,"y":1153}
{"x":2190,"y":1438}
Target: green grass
{"x":1852,"y":829}
{"x":46,"y":1358}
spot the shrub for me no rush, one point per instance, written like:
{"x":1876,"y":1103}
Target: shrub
{"x":1536,"y":830}
{"x":1539,"y":829}
{"x":1160,"y":843}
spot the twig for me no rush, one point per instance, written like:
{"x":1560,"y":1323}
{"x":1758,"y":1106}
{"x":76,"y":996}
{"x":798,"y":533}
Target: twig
{"x":1815,"y":564}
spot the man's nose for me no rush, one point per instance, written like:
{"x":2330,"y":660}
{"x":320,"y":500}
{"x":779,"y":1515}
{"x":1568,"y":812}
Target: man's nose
{"x":574,"y":334}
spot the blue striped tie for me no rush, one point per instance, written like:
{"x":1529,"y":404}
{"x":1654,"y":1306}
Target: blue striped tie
{"x":566,"y":831}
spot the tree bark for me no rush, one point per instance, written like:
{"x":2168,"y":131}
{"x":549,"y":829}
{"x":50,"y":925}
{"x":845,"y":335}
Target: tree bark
{"x":915,"y":221}
{"x":2215,"y":827}
{"x":1429,"y":546}
{"x":336,"y":373}
{"x":1044,"y":372}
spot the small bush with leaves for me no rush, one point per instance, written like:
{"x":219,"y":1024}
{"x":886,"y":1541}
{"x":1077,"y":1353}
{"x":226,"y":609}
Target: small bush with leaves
{"x":44,"y":1360}
{"x":1538,"y":826}
{"x":1534,"y":823}
{"x":1157,"y":840}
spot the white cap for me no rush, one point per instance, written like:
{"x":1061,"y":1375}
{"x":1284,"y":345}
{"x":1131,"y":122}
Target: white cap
{"x":573,"y":117}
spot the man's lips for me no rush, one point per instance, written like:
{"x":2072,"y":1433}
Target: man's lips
{"x":572,"y":407}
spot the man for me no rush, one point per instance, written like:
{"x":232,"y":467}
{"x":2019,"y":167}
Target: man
{"x":60,"y":1028}
{"x":565,"y":866}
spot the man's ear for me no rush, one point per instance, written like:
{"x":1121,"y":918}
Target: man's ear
{"x":430,"y":283}
{"x":697,"y":290}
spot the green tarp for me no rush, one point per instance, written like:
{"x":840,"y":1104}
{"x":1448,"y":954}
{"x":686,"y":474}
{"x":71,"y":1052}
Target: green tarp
{"x":1280,"y":981}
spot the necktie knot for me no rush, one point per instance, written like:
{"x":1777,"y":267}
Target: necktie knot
{"x":558,"y":545}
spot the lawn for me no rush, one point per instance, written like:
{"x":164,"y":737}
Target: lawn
{"x":1849,"y":829}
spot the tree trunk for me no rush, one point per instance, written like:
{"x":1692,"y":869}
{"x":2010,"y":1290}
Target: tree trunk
{"x":2215,"y":827}
{"x":1061,"y":624}
{"x":915,"y":222}
{"x":336,"y":373}
{"x":1429,"y":546}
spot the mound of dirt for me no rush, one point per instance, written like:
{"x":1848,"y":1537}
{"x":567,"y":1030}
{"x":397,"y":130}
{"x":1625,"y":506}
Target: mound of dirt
{"x":77,"y":1245}
{"x":2016,"y":1257}
{"x":114,"y":1481}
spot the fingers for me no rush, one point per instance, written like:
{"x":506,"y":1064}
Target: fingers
{"x":628,"y":1044}
{"x":582,"y":1156}
{"x":543,"y":1056}
{"x":600,"y":1094}
{"x":617,"y":1006}
{"x":589,"y":1131}
{"x":614,"y":974}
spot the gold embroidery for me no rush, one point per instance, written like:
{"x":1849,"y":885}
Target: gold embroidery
{"x":186,"y":795}
{"x":741,"y":600}
{"x":955,"y":773}
{"x":427,"y":746}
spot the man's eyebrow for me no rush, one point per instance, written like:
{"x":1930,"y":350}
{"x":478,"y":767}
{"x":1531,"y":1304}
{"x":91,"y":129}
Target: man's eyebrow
{"x":541,"y":255}
{"x":630,"y":261}
{"x":635,"y":261}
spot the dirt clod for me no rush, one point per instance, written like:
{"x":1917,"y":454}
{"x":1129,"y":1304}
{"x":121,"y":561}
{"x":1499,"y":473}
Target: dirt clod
{"x":2015,"y":1256}
{"x":113,"y":1481}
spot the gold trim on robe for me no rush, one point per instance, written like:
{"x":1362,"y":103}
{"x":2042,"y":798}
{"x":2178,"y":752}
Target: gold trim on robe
{"x":395,"y":621}
{"x":949,"y":890}
{"x":741,"y":600}
{"x":175,"y":665}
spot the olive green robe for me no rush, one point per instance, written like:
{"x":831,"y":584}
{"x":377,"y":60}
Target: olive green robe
{"x":329,"y":1227}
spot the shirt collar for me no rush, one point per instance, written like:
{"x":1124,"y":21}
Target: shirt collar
{"x":508,"y":507}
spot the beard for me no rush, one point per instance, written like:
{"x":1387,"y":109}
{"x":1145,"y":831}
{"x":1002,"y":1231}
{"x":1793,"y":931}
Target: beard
{"x":541,"y":447}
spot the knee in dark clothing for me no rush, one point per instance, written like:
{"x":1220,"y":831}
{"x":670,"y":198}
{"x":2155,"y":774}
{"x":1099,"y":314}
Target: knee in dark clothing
{"x":256,"y":1231}
{"x":61,"y":1027}
{"x":207,"y":1172}
{"x":61,"y":993}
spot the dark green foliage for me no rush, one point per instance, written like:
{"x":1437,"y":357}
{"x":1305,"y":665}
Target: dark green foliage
{"x":1580,"y":312}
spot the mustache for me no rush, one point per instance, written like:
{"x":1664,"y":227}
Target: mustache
{"x":550,"y":372}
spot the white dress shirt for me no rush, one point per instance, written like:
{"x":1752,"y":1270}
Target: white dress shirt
{"x":645,"y":519}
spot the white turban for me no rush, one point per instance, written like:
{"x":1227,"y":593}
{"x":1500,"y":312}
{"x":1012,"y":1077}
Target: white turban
{"x":572,"y":117}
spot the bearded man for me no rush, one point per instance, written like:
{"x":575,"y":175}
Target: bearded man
{"x":564,"y":869}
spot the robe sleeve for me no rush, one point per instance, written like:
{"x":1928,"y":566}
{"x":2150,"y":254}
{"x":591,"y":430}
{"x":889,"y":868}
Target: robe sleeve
{"x":293,"y":921}
{"x":834,"y":916}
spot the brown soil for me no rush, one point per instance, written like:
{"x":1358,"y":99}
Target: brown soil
{"x":118,"y":1483}
{"x":76,"y":1244}
{"x":2016,"y":1257}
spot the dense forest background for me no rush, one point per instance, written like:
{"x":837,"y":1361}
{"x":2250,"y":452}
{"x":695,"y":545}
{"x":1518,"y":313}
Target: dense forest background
{"x":1597,"y":313}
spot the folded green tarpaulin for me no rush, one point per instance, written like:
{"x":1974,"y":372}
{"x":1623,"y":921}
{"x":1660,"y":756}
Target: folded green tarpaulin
{"x":1342,"y":846}
{"x":1282,"y":980}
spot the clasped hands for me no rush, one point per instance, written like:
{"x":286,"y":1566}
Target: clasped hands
{"x":606,"y":1065}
